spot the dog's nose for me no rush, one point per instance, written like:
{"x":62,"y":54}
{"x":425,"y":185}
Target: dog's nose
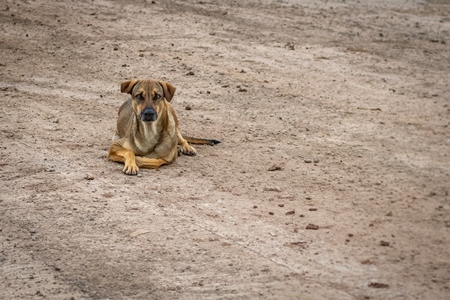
{"x":149,"y":115}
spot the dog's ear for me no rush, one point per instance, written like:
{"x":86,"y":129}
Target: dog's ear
{"x":127,"y":86}
{"x":169,"y":90}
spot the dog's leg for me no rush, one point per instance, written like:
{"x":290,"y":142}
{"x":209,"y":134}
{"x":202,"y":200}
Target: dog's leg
{"x":120,"y":154}
{"x":183,"y":145}
{"x":150,"y":163}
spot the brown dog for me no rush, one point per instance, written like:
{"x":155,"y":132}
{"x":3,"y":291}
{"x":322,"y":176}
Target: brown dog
{"x":147,"y":134}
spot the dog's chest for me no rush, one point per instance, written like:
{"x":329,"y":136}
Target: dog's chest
{"x":147,"y":138}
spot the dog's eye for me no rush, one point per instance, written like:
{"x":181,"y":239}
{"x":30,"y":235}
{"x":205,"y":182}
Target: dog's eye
{"x":139,"y":97}
{"x":157,"y":97}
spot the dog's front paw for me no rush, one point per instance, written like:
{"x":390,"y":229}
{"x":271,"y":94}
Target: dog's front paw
{"x":188,"y":150}
{"x":131,"y":169}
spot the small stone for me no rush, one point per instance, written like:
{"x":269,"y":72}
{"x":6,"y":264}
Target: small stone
{"x":33,"y":230}
{"x":378,"y":285}
{"x":272,"y":189}
{"x":188,"y":107}
{"x":308,"y":161}
{"x":271,"y":213}
{"x":384,"y":244}
{"x":291,"y":212}
{"x":274,"y":168}
{"x":312,"y":226}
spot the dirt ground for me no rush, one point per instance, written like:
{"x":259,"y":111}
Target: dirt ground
{"x":331,"y":182}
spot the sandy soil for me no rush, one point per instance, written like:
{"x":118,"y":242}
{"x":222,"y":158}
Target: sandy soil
{"x":331,"y":182}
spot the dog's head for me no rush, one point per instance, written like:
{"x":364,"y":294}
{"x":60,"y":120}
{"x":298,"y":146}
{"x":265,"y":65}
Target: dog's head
{"x":147,"y":96}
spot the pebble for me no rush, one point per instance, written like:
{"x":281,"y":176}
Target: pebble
{"x":312,"y":226}
{"x":275,"y":168}
{"x":378,"y":285}
{"x":384,"y":243}
{"x":272,"y":189}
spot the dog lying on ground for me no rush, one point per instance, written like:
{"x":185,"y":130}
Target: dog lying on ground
{"x":147,"y":134}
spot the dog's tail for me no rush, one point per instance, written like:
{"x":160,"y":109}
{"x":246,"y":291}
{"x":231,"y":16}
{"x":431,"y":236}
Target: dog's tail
{"x":197,"y":141}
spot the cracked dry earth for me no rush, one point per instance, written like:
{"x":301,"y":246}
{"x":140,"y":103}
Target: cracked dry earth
{"x":331,"y":182}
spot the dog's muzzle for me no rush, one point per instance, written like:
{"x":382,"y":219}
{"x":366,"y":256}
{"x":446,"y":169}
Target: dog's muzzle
{"x":149,"y":115}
